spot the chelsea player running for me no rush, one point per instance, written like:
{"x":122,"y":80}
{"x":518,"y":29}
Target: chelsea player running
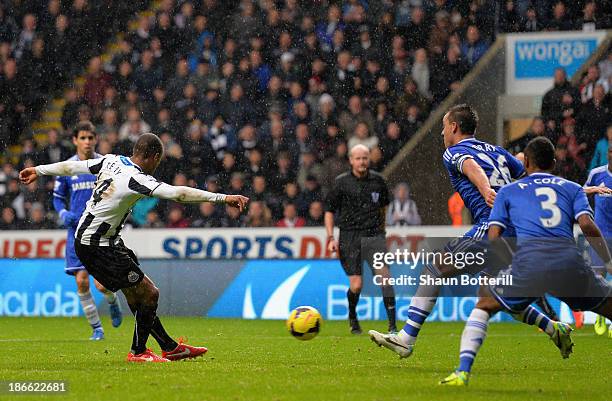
{"x":543,"y":208}
{"x":477,"y":171}
{"x":70,"y":197}
{"x":598,"y":184}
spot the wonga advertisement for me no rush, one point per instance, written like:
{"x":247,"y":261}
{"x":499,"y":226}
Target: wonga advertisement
{"x":531,"y":59}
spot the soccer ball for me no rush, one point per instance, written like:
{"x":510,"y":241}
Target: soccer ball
{"x":304,"y":323}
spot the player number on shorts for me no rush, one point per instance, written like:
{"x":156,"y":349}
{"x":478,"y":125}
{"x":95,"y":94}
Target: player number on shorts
{"x":501,"y":174}
{"x":549,"y":204}
{"x":97,"y":195}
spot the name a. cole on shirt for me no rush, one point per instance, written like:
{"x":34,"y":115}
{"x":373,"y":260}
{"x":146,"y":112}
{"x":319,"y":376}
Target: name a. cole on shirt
{"x":540,"y":181}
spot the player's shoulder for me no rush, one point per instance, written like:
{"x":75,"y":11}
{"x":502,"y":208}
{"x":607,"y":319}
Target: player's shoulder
{"x":598,"y":172}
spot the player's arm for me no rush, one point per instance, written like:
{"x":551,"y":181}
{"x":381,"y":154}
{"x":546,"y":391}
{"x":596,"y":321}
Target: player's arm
{"x":60,"y":195}
{"x":65,"y":168}
{"x":593,"y":235}
{"x":332,"y":203}
{"x":193,"y":195}
{"x":597,"y":190}
{"x":590,"y":188}
{"x":477,"y":176}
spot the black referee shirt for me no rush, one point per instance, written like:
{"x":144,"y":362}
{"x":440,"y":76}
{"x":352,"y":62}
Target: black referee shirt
{"x":358,"y":203}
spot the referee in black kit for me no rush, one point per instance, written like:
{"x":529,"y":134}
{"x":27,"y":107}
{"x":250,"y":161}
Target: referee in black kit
{"x":359,"y":199}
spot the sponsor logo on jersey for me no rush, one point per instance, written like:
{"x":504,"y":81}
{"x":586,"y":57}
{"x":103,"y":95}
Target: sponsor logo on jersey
{"x":375,"y":197}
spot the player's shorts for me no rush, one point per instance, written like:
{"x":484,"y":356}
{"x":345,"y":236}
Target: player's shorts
{"x":73,"y":263}
{"x":475,"y":241}
{"x":357,"y":247}
{"x":596,"y":262}
{"x":563,"y":275}
{"x":114,"y":267}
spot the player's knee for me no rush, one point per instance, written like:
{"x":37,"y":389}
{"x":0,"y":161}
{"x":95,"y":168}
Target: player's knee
{"x":82,"y":283}
{"x":153,"y":295}
{"x":355,"y":284}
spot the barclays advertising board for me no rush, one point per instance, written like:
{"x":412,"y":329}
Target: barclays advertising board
{"x":531,"y":59}
{"x":256,"y":289}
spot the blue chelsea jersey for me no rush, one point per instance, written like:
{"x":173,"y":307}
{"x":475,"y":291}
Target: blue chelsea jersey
{"x":498,"y":164}
{"x":73,"y":192}
{"x":540,"y":206}
{"x":601,"y":176}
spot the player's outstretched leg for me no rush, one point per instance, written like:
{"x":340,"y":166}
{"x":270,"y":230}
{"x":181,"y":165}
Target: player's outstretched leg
{"x":142,"y":300}
{"x":89,"y":305}
{"x":113,"y":303}
{"x":420,"y":307}
{"x":171,"y":350}
{"x":558,"y":332}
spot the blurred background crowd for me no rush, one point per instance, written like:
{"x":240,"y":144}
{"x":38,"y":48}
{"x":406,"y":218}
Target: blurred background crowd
{"x":265,"y":98}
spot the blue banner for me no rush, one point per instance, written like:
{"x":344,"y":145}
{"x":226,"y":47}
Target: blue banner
{"x":271,"y":289}
{"x":38,"y":287}
{"x":535,"y":59}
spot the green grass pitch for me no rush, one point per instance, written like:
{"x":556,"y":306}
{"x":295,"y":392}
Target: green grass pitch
{"x":259,"y":360}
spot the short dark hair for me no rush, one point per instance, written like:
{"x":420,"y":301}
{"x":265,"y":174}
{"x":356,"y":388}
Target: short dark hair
{"x":541,"y":152}
{"x":148,"y":145}
{"x":465,"y":117}
{"x":83,"y":126}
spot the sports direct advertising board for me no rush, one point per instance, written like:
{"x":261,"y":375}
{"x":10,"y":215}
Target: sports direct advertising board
{"x":531,"y":59}
{"x":219,"y":243}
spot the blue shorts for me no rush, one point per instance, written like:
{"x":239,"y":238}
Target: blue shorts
{"x":596,"y":262}
{"x":73,"y":264}
{"x":563,"y":275}
{"x":476,"y":241}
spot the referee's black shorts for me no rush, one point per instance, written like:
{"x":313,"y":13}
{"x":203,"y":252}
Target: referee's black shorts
{"x":355,"y":247}
{"x":115,"y":267}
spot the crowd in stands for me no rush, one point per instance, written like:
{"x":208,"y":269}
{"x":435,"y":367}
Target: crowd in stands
{"x":577,"y":119}
{"x":42,"y":45}
{"x":266,"y":97}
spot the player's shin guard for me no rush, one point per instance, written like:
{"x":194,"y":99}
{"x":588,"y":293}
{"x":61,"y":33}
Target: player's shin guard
{"x":353,"y":300}
{"x":164,"y":340}
{"x":532,"y":316}
{"x":473,"y":336}
{"x":421,"y":306}
{"x":145,"y":315}
{"x":90,"y":310}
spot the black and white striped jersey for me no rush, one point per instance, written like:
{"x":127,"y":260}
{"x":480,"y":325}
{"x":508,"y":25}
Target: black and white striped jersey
{"x":119,"y":185}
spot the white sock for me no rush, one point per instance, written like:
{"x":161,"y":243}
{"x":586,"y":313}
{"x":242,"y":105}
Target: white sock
{"x":111,"y":297}
{"x":473,"y":336}
{"x":90,"y":310}
{"x":421,"y":306}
